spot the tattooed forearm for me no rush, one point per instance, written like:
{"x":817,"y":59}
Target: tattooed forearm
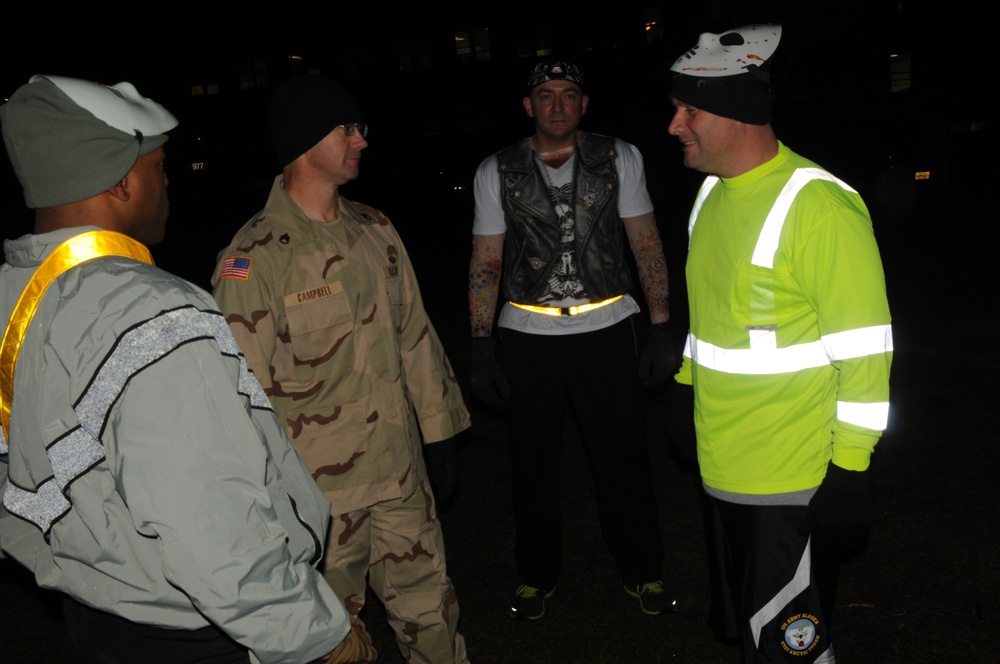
{"x":644,"y":238}
{"x":484,"y":282}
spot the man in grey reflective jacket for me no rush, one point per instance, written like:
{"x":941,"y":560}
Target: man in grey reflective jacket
{"x":142,"y":471}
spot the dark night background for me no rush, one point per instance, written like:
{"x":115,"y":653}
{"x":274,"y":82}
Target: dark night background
{"x":927,"y":589}
{"x":433,"y":121}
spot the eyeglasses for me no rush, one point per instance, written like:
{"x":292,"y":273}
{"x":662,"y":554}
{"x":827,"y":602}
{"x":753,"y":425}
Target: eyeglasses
{"x":350,"y":129}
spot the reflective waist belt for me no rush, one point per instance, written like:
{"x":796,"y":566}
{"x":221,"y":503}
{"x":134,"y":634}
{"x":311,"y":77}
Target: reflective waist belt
{"x":70,"y":253}
{"x":567,"y":311}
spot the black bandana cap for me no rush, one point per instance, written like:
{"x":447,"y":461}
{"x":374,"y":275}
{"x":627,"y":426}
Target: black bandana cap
{"x":558,"y":70}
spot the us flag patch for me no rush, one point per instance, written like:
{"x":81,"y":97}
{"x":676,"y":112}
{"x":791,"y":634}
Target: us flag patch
{"x":235,"y":267}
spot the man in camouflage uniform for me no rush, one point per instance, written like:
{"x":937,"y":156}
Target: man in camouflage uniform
{"x":320,"y":293}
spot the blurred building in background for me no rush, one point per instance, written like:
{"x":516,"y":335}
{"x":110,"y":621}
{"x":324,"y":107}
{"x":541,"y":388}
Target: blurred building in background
{"x":881,"y":92}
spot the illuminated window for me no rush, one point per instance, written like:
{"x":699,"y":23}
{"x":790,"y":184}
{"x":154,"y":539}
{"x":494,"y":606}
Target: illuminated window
{"x":463,"y":45}
{"x":533,"y":41}
{"x":899,"y":72}
{"x":202,"y":90}
{"x":254,"y":74}
{"x":654,"y":25}
{"x":473,"y":45}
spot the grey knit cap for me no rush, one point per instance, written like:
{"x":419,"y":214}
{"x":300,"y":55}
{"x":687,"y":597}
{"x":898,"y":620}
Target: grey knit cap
{"x":69,"y":139}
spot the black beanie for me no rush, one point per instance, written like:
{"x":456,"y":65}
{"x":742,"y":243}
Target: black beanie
{"x":304,"y":109}
{"x":745,"y":98}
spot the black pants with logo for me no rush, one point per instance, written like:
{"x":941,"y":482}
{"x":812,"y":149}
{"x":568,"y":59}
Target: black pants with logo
{"x":779,"y":584}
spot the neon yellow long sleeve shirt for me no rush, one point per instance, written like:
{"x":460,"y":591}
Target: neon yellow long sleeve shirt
{"x":790,"y":343}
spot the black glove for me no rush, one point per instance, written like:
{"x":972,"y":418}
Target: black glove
{"x":659,"y":357}
{"x":442,"y":467}
{"x":840,"y":512}
{"x":487,"y":380}
{"x":680,"y":426}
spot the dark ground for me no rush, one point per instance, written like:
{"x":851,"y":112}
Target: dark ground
{"x":927,"y":588}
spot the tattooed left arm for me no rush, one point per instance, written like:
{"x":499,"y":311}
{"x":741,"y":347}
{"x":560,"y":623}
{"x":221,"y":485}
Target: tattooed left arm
{"x":484,"y":282}
{"x":644,"y":238}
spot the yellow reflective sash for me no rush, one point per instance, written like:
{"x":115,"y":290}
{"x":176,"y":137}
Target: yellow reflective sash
{"x":567,"y":311}
{"x":70,"y":253}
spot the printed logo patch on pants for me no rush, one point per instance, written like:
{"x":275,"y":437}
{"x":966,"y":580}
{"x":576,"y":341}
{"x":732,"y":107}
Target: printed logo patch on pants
{"x":800,"y":634}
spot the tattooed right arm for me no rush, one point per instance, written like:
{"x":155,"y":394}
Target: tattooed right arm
{"x":484,"y":282}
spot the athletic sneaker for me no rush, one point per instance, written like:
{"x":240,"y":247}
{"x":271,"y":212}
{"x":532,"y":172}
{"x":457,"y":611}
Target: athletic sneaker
{"x":654,"y":598}
{"x":529,"y":602}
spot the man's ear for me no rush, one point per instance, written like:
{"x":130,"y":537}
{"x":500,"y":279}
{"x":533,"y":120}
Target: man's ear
{"x":120,"y":190}
{"x":586,"y":101}
{"x":527,"y":107}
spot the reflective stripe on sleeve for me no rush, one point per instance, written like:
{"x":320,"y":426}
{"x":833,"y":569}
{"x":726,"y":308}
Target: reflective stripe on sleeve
{"x":858,"y":343}
{"x":138,"y":348}
{"x":868,"y":415}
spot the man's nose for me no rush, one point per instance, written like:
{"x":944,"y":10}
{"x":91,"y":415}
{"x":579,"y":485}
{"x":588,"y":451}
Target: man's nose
{"x":675,"y":124}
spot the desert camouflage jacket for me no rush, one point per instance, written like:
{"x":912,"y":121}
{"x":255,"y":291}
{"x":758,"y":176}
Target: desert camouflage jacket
{"x":331,"y":320}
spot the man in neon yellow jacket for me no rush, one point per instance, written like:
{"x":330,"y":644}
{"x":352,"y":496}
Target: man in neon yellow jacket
{"x":788,"y":352}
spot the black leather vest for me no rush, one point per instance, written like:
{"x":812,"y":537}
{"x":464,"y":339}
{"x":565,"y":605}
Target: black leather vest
{"x":533,"y":236}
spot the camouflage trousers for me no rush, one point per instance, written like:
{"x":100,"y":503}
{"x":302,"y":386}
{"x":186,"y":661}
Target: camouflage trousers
{"x":399,"y":547}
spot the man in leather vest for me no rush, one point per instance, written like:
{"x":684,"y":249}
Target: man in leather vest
{"x":552,"y":216}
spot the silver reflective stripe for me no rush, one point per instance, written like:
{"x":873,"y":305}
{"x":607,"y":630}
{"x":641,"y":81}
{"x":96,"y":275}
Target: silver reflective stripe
{"x":706,"y":188}
{"x":147,"y":343}
{"x":754,"y":361}
{"x":138,"y":348}
{"x":763,"y":358}
{"x":767,"y":241}
{"x":869,"y":415}
{"x":70,"y":457}
{"x":873,"y":340}
{"x":763,"y":337}
{"x":863,"y":341}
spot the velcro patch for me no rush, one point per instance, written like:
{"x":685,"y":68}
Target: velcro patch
{"x":235,"y":267}
{"x":316,"y":293}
